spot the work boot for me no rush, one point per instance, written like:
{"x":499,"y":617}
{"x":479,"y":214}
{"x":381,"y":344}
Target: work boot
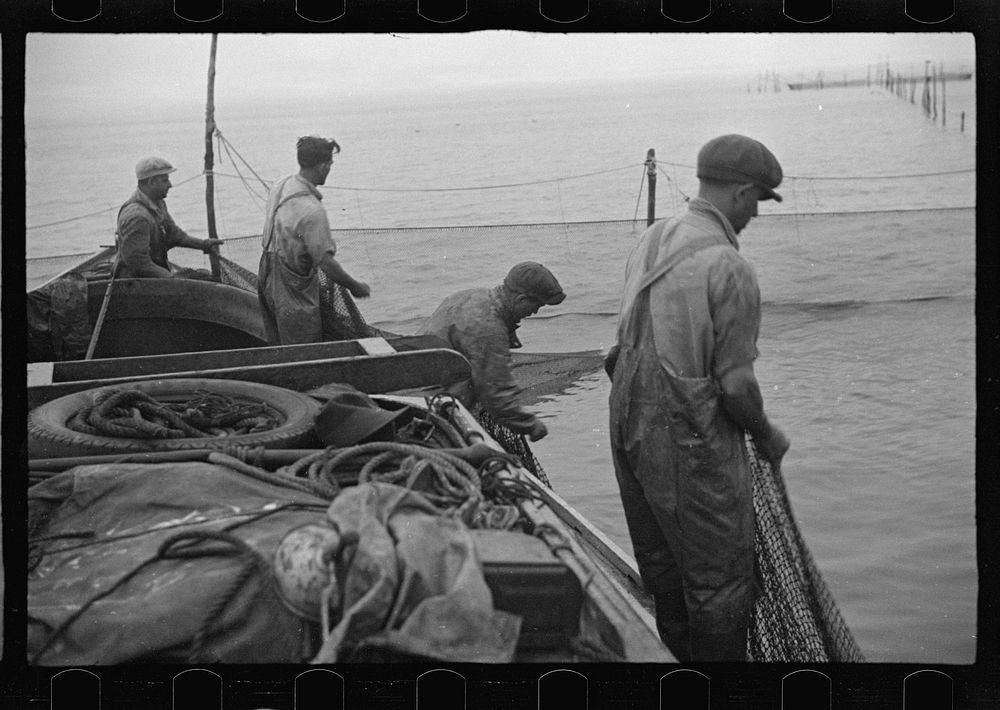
{"x":730,"y":646}
{"x":672,"y":624}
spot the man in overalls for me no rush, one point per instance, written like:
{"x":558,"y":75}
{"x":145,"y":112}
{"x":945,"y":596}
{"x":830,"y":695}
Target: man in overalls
{"x":480,"y":323}
{"x":297,"y":245}
{"x":683,"y":395}
{"x":146,"y":231}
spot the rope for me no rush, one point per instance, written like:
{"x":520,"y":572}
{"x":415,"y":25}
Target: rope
{"x":133,"y":414}
{"x":638,"y":198}
{"x":246,"y":185}
{"x":249,"y":167}
{"x":252,"y":562}
{"x":316,"y":488}
{"x":71,"y":219}
{"x":479,"y":187}
{"x":673,"y":183}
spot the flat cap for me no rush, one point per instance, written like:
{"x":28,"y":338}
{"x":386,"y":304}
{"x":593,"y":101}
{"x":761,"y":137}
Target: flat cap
{"x":151,"y":167}
{"x":736,"y":158}
{"x":533,"y":279}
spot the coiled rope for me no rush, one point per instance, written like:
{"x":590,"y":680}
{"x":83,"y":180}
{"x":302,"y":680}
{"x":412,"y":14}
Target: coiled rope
{"x":131,"y":413}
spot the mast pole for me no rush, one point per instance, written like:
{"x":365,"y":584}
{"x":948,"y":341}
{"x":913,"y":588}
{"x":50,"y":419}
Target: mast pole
{"x":213,"y":255}
{"x":651,"y":179}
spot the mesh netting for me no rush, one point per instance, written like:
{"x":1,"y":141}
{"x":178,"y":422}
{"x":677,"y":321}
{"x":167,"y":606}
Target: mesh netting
{"x":796,"y":618}
{"x":512,"y":443}
{"x":341,"y":318}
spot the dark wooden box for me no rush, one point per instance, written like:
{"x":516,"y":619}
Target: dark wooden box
{"x":527,"y":579}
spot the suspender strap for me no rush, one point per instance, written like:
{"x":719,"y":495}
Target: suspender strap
{"x":270,"y":234}
{"x":656,"y":271}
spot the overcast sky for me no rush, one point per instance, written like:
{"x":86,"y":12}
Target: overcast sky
{"x":67,"y":73}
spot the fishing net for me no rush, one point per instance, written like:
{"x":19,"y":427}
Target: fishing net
{"x":512,"y":443}
{"x":796,"y":618}
{"x":340,"y":315}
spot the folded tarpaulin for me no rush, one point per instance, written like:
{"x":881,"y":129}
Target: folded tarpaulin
{"x":167,"y":562}
{"x":58,"y":320}
{"x":413,"y":586}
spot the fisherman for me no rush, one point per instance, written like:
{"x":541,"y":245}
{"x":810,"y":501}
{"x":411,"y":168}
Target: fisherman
{"x":683,"y":393}
{"x":297,"y":246}
{"x":146,"y":231}
{"x":480,"y":324}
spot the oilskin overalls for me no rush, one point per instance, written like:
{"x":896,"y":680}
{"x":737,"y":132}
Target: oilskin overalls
{"x":684,"y":481}
{"x":290,"y":301}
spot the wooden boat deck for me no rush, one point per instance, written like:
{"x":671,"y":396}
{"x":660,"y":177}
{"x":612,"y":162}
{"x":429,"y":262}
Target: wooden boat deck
{"x":617,"y":613}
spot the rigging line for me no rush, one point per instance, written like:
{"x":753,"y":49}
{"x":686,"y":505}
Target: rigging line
{"x":246,"y":184}
{"x":846,"y":177}
{"x":671,"y":181}
{"x":101,"y":211}
{"x":364,"y":241}
{"x":638,"y":198}
{"x":479,"y":187}
{"x":249,"y":167}
{"x":879,"y":177}
{"x":71,"y":219}
{"x":562,"y":212}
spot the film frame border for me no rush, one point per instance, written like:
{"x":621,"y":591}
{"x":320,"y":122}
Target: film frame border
{"x":976,"y":685}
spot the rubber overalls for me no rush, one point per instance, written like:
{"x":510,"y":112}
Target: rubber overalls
{"x":290,"y":301}
{"x":684,"y":481}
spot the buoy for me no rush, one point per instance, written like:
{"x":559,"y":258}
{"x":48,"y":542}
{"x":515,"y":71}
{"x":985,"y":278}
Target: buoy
{"x":304,"y":568}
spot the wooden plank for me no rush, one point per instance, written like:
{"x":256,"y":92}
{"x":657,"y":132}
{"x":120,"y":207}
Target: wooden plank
{"x":375,"y":346}
{"x":594,"y":538}
{"x":368,"y":373}
{"x":39,"y":373}
{"x":146,"y":365}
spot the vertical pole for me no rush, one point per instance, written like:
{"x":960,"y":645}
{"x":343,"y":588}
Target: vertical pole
{"x":651,"y":179}
{"x":944,"y":104}
{"x":213,"y":255}
{"x":963,"y":121}
{"x":934,"y":83}
{"x":926,"y":98}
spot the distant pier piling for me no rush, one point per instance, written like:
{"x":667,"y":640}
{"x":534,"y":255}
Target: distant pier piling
{"x":901,"y":83}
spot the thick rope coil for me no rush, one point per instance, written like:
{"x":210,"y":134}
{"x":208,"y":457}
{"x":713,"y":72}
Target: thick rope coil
{"x":133,"y":414}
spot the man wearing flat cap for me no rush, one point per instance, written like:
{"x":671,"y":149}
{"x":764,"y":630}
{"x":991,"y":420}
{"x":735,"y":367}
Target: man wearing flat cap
{"x":480,"y":323}
{"x":684,"y":394}
{"x":146,"y":231}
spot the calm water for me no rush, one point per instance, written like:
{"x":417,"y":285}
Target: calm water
{"x":868,"y":336}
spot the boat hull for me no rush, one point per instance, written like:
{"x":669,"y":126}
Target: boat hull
{"x":160,"y":316}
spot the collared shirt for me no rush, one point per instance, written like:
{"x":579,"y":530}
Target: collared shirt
{"x":146,"y":231}
{"x":301,"y":228}
{"x":477,"y":323}
{"x":704,"y":313}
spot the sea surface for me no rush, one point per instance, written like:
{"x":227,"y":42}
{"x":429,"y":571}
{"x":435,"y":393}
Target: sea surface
{"x":867,"y":274}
